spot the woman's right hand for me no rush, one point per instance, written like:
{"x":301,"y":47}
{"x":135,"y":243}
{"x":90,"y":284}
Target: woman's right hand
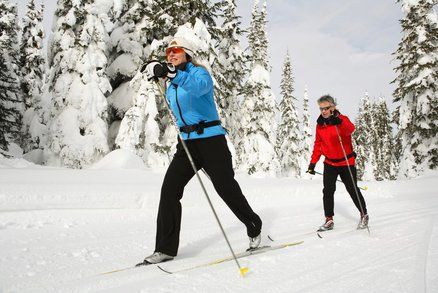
{"x":155,"y":69}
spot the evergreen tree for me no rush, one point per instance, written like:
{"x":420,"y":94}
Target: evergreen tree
{"x":229,"y":67}
{"x":289,"y":139}
{"x":133,"y":126}
{"x":396,"y":151}
{"x":141,"y":34}
{"x":417,"y":87}
{"x":306,"y":132}
{"x":257,"y":37}
{"x":382,"y":142}
{"x":140,"y":130}
{"x":363,"y":139}
{"x":196,"y":20}
{"x":187,"y":11}
{"x":11,"y":102}
{"x":257,"y":127}
{"x":144,"y":22}
{"x":32,"y":64}
{"x":78,"y":83}
{"x":131,"y":40}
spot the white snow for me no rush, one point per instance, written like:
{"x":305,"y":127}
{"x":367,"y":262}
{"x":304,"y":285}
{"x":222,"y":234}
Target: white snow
{"x":124,"y":64}
{"x":61,"y":228}
{"x":120,"y":159}
{"x":15,"y":150}
{"x":122,"y":98}
{"x":197,"y":35}
{"x":259,"y":75}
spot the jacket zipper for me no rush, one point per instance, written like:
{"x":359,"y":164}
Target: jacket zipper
{"x":179,"y":108}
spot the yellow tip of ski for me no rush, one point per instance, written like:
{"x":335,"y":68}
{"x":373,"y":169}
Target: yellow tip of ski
{"x":243,"y":271}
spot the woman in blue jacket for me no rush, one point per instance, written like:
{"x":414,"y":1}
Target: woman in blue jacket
{"x":190,"y":95}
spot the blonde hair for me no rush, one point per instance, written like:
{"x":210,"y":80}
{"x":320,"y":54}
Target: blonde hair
{"x":194,"y":62}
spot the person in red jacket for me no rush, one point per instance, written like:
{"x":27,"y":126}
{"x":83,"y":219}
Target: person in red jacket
{"x":332,"y":130}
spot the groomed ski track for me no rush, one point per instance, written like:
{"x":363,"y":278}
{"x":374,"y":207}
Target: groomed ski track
{"x":60,"y":229}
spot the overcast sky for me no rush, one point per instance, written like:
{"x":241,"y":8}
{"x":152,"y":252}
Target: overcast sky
{"x":341,"y":47}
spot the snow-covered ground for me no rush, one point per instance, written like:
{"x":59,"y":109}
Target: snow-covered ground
{"x":60,"y":229}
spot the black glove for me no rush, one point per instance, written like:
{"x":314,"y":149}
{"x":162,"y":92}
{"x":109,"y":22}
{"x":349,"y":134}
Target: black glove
{"x":155,"y":69}
{"x":311,"y":169}
{"x":334,"y":119}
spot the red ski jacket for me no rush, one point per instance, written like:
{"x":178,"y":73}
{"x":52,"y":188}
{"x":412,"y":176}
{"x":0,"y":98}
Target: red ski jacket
{"x":327,"y":143}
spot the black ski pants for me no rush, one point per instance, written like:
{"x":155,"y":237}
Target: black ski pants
{"x":330,"y":176}
{"x":211,"y":154}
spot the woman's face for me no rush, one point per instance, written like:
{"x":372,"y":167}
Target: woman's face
{"x":176,"y":55}
{"x":326,"y":109}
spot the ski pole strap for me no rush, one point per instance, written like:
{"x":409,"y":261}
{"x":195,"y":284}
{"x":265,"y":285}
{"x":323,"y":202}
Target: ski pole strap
{"x":199,"y":127}
{"x":353,"y":154}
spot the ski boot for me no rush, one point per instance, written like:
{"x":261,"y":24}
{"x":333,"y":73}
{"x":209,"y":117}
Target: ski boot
{"x":328,"y":225}
{"x":254,"y":242}
{"x":154,"y":258}
{"x":363,"y":223}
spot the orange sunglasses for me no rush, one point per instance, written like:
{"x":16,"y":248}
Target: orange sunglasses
{"x":174,"y":50}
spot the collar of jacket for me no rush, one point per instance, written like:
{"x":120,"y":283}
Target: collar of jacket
{"x":186,"y":66}
{"x":325,"y":121}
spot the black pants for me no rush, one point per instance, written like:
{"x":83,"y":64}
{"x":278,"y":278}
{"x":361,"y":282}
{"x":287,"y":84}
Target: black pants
{"x":213,"y":155}
{"x":330,"y":175}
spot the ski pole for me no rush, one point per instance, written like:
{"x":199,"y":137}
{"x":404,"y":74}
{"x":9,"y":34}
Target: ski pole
{"x":242,"y":270}
{"x":360,"y":187}
{"x":351,"y":174}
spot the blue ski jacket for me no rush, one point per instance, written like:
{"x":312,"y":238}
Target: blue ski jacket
{"x":190,"y":95}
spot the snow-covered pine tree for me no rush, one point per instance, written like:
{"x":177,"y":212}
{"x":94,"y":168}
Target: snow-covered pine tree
{"x":363,"y":139}
{"x":205,"y":13}
{"x":142,"y":33}
{"x":145,"y":22}
{"x":78,"y":82}
{"x":396,"y":150}
{"x":229,"y":67}
{"x":139,"y":24}
{"x":179,"y":12}
{"x":135,"y":117}
{"x":11,"y":100}
{"x":169,"y":15}
{"x":417,"y":87}
{"x":382,"y":142}
{"x":139,"y":131}
{"x":33,"y":66}
{"x":289,"y":138}
{"x":8,"y":114}
{"x":130,"y":40}
{"x":306,"y":132}
{"x":257,"y":127}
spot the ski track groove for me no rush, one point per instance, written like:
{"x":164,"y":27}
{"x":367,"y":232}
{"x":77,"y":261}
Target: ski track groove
{"x":423,"y":252}
{"x":399,"y":244}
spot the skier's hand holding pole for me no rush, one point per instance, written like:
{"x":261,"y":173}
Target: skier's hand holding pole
{"x":155,"y":69}
{"x":311,"y":169}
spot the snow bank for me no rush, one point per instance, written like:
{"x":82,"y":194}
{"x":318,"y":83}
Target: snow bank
{"x":18,"y":163}
{"x":60,"y":229}
{"x":120,"y":159}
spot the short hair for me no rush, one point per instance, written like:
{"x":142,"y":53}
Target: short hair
{"x":327,"y":98}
